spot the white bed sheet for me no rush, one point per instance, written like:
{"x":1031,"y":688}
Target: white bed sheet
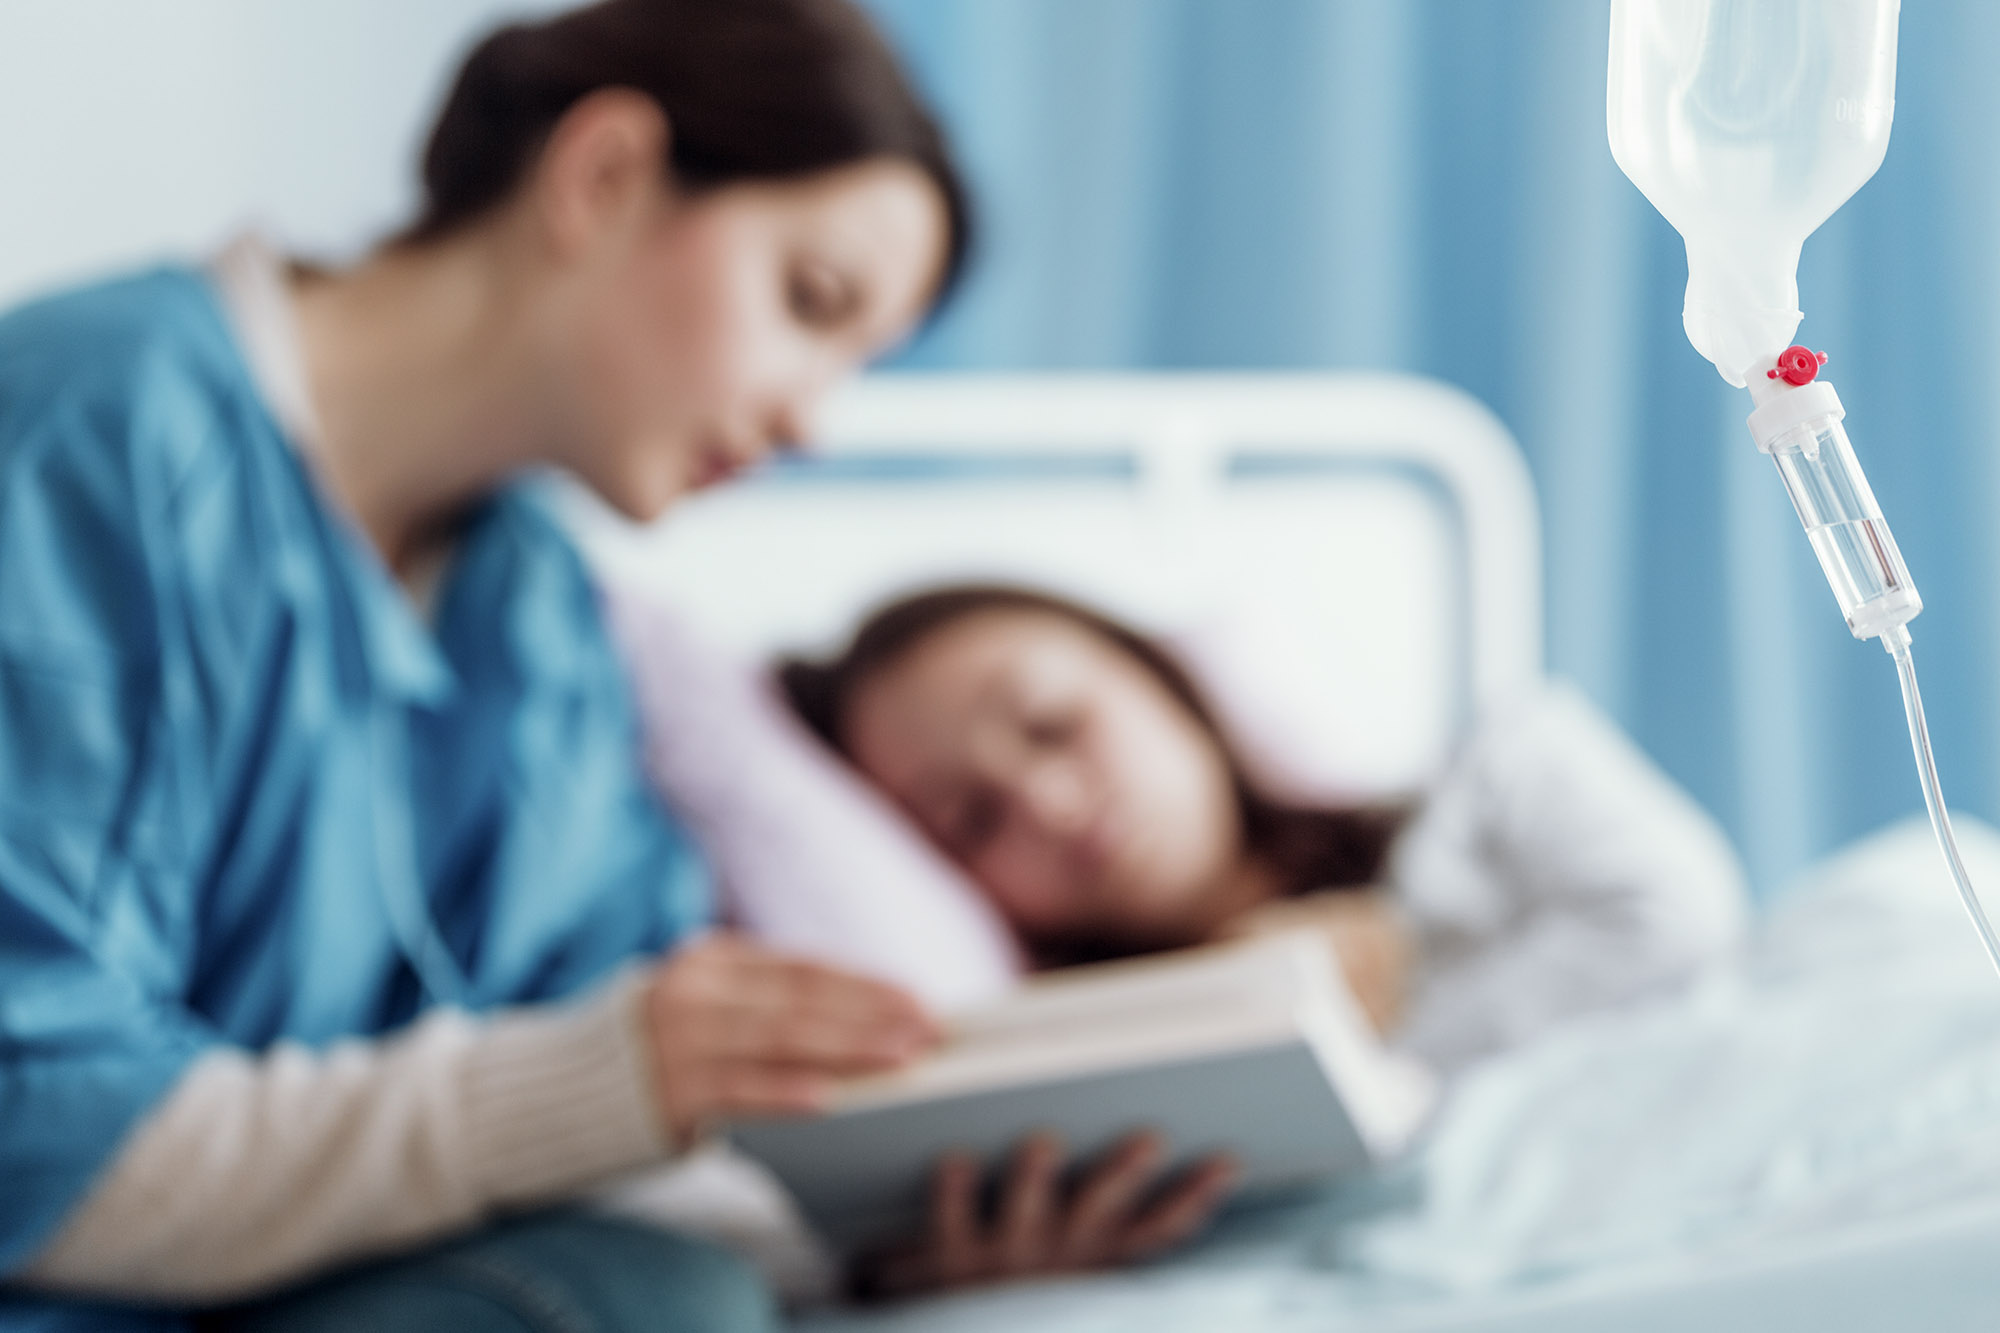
{"x":1809,"y":1139}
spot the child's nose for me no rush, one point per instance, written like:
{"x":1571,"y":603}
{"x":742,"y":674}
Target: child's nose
{"x":1057,"y":797}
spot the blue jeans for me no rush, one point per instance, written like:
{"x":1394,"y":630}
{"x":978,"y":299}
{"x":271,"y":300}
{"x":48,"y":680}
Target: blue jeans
{"x":551,"y":1273}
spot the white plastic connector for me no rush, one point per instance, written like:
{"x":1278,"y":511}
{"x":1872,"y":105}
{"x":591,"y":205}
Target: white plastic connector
{"x":1781,"y":408}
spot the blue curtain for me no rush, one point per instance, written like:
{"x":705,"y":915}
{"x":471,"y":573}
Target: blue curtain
{"x":1424,"y":185}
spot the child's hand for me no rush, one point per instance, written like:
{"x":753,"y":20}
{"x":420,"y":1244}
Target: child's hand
{"x":738,"y":1029}
{"x":1118,"y":1212}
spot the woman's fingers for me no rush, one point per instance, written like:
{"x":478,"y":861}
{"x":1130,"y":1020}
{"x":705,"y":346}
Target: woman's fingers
{"x":751,"y":981}
{"x":737,"y":1029}
{"x":730,"y":967}
{"x":955,"y":1249}
{"x":770,"y":1090}
{"x":949,"y":1253}
{"x":1115,"y":1182}
{"x":781,"y":983}
{"x":693,"y":1096}
{"x":827,"y":991}
{"x":1035,"y":1232}
{"x":1028,"y":1214}
{"x":725,"y":1000}
{"x":813,"y":1040}
{"x":795,"y":995}
{"x":1181,"y":1211}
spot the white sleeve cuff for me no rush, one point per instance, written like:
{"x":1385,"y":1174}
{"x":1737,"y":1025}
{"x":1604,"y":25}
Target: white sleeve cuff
{"x":556,"y":1100}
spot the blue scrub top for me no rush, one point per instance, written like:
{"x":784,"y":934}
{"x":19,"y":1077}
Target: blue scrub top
{"x":246,"y":793}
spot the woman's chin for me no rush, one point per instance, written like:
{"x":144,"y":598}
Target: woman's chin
{"x":640,"y":498}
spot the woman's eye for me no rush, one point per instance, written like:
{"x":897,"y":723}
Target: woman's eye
{"x":819,"y":298}
{"x":1051,"y":729}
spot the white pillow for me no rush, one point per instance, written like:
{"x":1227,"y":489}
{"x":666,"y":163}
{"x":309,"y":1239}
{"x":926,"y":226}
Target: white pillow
{"x":807,"y":855}
{"x":1298,"y":736}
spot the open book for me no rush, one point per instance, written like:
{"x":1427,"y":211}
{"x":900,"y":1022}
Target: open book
{"x":1256,"y":1048}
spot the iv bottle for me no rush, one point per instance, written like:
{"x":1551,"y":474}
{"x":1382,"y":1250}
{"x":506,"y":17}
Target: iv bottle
{"x":1747,"y":123}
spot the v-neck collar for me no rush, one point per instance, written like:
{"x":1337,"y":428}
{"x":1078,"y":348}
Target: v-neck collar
{"x":247,"y":281}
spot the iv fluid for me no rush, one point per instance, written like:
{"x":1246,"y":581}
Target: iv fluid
{"x":1747,"y":123}
{"x":1866,"y":560}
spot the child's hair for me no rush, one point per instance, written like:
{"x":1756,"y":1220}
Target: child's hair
{"x":1309,"y":847}
{"x":752,"y":90}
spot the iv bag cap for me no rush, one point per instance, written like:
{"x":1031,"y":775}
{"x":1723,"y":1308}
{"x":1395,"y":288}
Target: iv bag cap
{"x":1791,"y":408}
{"x":1797,"y":366}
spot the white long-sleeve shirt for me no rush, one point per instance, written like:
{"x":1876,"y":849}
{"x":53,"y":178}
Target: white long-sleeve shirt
{"x":1551,"y":871}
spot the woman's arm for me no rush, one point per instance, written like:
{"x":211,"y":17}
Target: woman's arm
{"x":1554,"y":871}
{"x":256,"y":1171}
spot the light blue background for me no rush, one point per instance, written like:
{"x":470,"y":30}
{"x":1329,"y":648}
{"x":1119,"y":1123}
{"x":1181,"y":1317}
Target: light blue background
{"x":1424,"y":185}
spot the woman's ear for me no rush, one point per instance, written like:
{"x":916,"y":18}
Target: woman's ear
{"x":603,"y":170}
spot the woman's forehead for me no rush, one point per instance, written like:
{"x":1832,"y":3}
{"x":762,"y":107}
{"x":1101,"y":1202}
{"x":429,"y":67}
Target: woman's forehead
{"x":982,"y":652}
{"x":882,"y":215}
{"x":930,"y":697}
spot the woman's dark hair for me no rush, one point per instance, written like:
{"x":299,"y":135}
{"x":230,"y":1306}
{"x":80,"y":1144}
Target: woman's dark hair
{"x":1308,"y":847}
{"x":752,"y":90}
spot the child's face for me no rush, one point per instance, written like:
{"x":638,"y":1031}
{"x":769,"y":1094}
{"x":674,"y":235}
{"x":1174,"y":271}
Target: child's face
{"x":707,"y":336}
{"x":1083,"y":797}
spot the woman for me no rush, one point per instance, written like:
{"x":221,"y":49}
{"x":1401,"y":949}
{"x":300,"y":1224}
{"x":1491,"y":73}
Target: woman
{"x":1071,"y":767}
{"x":335,"y":916}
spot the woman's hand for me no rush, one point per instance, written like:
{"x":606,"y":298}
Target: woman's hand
{"x":1371,"y":944}
{"x":738,"y":1029}
{"x":1118,"y":1212}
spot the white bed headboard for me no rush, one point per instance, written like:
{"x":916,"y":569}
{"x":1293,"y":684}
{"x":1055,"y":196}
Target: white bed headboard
{"x":1383,"y":526}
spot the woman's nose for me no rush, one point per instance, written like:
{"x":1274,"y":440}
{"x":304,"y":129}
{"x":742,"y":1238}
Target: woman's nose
{"x":792,"y":425}
{"x":1055,"y":795}
{"x":795,"y":413}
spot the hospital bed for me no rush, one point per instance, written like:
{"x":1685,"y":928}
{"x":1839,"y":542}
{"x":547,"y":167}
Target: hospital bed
{"x":1390,"y":524}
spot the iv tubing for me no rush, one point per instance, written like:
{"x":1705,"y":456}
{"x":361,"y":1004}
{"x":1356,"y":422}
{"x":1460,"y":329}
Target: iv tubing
{"x":1897,"y":642}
